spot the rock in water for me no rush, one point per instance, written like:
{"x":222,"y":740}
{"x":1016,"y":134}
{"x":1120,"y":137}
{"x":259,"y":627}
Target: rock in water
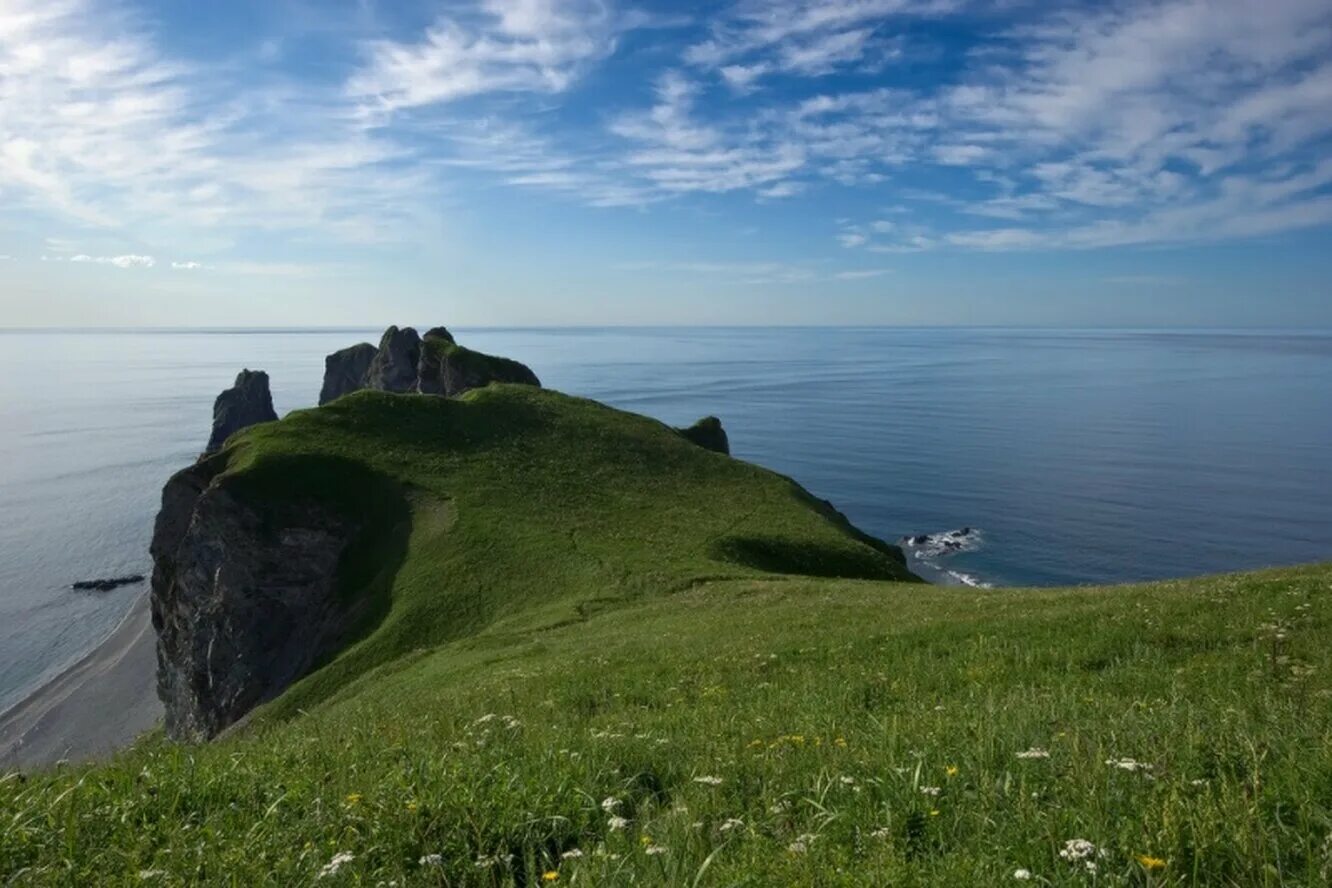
{"x":345,"y":371}
{"x":708,"y":434}
{"x":247,"y":403}
{"x":394,"y":367}
{"x":438,"y":333}
{"x":243,"y":598}
{"x":449,"y":369}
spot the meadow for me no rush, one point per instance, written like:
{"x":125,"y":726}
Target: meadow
{"x":609,"y":657}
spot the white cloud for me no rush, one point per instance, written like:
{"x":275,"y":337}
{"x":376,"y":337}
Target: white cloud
{"x":851,"y":239}
{"x":861,"y":274}
{"x":127,"y":261}
{"x":188,"y":265}
{"x":538,"y":46}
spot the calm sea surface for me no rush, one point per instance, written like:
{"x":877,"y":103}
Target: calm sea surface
{"x":1080,"y":456}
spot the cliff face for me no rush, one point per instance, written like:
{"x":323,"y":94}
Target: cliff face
{"x":345,"y":371}
{"x":247,"y":403}
{"x":243,"y":600}
{"x":450,"y":370}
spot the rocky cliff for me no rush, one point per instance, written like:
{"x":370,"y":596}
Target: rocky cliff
{"x":247,"y":403}
{"x":433,"y":364}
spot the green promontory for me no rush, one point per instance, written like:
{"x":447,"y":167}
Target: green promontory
{"x":582,"y":650}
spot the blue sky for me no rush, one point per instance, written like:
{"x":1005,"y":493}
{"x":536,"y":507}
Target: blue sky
{"x":502,"y":162}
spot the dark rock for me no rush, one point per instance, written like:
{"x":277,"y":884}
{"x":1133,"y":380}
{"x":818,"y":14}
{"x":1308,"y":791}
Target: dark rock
{"x":106,"y":585}
{"x":449,"y":369}
{"x":243,"y":598}
{"x":438,"y":333}
{"x":708,"y":434}
{"x":345,"y":371}
{"x":247,"y":403}
{"x":394,"y":366}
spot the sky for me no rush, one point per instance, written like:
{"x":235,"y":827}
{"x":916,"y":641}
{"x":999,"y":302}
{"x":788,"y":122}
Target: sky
{"x":605,"y":162}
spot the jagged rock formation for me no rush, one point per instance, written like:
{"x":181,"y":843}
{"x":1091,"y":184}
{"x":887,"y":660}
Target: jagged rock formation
{"x":708,"y":434}
{"x":242,"y":599}
{"x":345,"y":371}
{"x":433,"y":364}
{"x":449,"y":369}
{"x":247,"y":403}
{"x":394,"y":367}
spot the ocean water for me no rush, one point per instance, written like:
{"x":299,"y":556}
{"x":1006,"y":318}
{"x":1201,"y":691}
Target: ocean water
{"x":1072,"y":456}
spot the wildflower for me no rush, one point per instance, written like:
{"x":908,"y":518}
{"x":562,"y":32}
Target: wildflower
{"x":654,"y":850}
{"x":934,"y":812}
{"x":353,"y":799}
{"x":341,"y":859}
{"x":1022,"y":875}
{"x":572,"y":854}
{"x":781,"y":806}
{"x":1090,"y":866}
{"x":616,"y":823}
{"x":434,"y":860}
{"x":882,"y":832}
{"x":847,"y":781}
{"x":802,"y":843}
{"x":1034,"y":753}
{"x":549,"y":876}
{"x":413,"y":806}
{"x":840,"y":741}
{"x":609,"y":804}
{"x":731,"y":823}
{"x":1128,"y":764}
{"x":1077,"y":849}
{"x":931,"y":790}
{"x":710,"y":781}
{"x":486,"y":861}
{"x":1151,"y":863}
{"x":645,"y":839}
{"x":485,"y":719}
{"x":145,"y":875}
{"x":951,"y":770}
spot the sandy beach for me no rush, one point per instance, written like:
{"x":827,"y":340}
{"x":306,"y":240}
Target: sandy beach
{"x":97,"y":706}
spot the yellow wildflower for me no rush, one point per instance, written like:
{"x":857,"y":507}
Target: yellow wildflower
{"x":1151,"y":863}
{"x":934,"y":812}
{"x":354,"y":799}
{"x":549,"y":876}
{"x":645,"y":839}
{"x":413,"y":806}
{"x":951,"y":770}
{"x":841,"y":741}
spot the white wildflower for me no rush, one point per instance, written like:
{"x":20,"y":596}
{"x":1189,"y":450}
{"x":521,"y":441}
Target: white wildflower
{"x":802,"y":843}
{"x":1034,"y":753}
{"x":486,"y":719}
{"x":654,"y":850}
{"x":882,"y":832}
{"x":609,"y":804}
{"x":1091,"y":867}
{"x":710,"y":781}
{"x":931,"y":790}
{"x":1022,"y":875}
{"x":781,"y":806}
{"x":617,"y":823}
{"x":731,"y":823}
{"x":572,"y":854}
{"x":431,"y":860}
{"x":1128,"y":764}
{"x":1077,"y":849}
{"x":341,"y":859}
{"x":847,"y":781}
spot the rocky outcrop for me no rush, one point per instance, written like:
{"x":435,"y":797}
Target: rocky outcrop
{"x":438,"y":333}
{"x":708,"y":434}
{"x":448,"y":369}
{"x":345,"y":371}
{"x":243,"y":599}
{"x":247,"y":403}
{"x":394,"y":366}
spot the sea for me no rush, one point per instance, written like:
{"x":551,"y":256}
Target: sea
{"x":1005,"y":457}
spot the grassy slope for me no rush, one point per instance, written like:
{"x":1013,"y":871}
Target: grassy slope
{"x":569,"y":624}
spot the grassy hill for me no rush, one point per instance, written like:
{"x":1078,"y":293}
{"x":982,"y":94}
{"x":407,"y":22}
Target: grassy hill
{"x":601,"y":655}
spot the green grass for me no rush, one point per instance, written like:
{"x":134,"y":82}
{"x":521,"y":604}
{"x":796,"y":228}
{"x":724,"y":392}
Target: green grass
{"x":581,"y":611}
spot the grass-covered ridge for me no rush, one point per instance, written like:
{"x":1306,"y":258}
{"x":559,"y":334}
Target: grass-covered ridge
{"x":591,"y":669}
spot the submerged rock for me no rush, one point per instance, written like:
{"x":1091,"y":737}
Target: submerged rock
{"x":247,"y":403}
{"x":243,"y":599}
{"x":393,"y":368}
{"x":449,"y":369}
{"x":107,"y":584}
{"x":345,"y":371}
{"x":708,"y":434}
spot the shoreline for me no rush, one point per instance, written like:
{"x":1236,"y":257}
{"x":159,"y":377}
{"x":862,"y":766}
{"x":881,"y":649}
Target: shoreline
{"x":92,"y":709}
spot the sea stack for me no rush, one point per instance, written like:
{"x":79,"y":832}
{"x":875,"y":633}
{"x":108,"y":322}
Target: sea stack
{"x":708,"y":434}
{"x":345,"y":371}
{"x":249,"y":402}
